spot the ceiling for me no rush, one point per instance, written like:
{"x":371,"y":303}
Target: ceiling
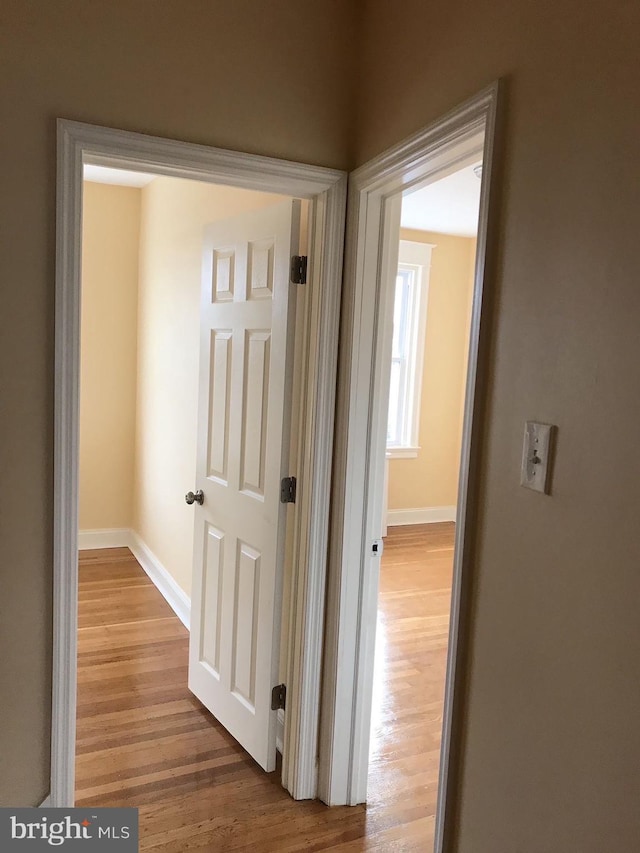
{"x":448,"y":206}
{"x":119,"y":177}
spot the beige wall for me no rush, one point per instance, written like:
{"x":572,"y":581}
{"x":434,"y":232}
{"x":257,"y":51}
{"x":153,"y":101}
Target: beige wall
{"x":218,"y":73}
{"x":431,"y":480}
{"x":111,"y":222}
{"x":174,"y":213}
{"x":551,"y":755}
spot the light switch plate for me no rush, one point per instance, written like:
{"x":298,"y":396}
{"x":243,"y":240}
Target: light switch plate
{"x":536,"y":457}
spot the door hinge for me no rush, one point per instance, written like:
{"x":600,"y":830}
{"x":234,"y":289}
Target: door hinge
{"x":278,"y":697}
{"x":288,"y":490}
{"x":299,"y":269}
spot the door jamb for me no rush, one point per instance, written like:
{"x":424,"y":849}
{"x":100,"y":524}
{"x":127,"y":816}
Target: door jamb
{"x":353,"y":571}
{"x":80,"y":143}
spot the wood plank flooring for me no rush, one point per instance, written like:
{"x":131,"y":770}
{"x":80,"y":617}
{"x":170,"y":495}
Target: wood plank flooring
{"x":143,"y":740}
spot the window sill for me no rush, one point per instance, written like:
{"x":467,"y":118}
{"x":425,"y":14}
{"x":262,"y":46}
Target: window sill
{"x":402,"y":452}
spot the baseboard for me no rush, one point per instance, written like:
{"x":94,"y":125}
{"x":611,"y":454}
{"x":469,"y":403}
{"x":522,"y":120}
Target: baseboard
{"x":421,"y":515}
{"x":115,"y":537}
{"x":173,"y":594}
{"x":280,"y":731}
{"x":46,"y":803}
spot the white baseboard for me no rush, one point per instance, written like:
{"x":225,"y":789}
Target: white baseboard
{"x":421,"y":515}
{"x":46,"y":803}
{"x":280,"y":731}
{"x":174,"y":595}
{"x":115,"y":537}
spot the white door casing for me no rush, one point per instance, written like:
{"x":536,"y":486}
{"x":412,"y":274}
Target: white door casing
{"x":80,"y":143}
{"x":389,"y":270}
{"x":447,"y":145}
{"x":246,"y":340}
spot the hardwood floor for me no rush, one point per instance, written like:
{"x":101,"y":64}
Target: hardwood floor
{"x":143,"y":740}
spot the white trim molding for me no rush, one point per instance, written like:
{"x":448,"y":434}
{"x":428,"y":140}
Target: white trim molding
{"x":421,"y":515}
{"x":172,"y":592}
{"x":80,"y":144}
{"x":124,"y":537}
{"x":403,"y":452}
{"x":458,"y":139}
{"x":110,"y":537}
{"x":46,"y":803}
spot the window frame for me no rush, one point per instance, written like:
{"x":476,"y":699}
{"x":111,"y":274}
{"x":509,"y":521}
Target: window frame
{"x":415,"y":256}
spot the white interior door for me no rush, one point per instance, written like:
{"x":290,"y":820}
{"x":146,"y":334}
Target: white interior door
{"x":243,"y":438}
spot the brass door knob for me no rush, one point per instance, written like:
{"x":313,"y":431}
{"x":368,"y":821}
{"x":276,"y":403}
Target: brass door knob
{"x":195,"y":498}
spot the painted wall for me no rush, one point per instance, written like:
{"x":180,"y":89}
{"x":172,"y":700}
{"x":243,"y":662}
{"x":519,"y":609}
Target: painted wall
{"x":551,"y":756}
{"x":431,"y":480}
{"x":224,"y":74}
{"x":111,"y":221}
{"x":173,"y":216}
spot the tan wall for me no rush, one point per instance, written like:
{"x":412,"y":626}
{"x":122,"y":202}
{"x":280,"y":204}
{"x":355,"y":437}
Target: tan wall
{"x":173,"y":217}
{"x":218,"y":73}
{"x":111,"y":221}
{"x":431,"y":480}
{"x":551,"y":756}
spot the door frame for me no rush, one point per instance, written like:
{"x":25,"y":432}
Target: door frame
{"x":80,"y":143}
{"x":361,"y":421}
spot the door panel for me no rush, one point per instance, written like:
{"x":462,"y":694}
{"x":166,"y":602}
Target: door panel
{"x":243,"y":440}
{"x":219,"y":394}
{"x":212,"y":598}
{"x":254,"y":415}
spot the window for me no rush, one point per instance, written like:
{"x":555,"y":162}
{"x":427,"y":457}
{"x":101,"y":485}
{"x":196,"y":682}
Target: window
{"x":407,"y":348}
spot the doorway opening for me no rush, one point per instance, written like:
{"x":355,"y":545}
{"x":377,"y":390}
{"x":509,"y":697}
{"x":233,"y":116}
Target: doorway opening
{"x":461,"y":138}
{"x":427,"y":365}
{"x":172,"y":272}
{"x":80,"y":145}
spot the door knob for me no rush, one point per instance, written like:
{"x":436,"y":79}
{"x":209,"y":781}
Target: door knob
{"x":197,"y":498}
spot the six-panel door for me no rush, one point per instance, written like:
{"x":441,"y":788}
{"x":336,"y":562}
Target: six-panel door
{"x":243,"y":437}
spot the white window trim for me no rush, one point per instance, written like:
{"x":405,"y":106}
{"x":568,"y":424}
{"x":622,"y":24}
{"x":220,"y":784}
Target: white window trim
{"x":402,"y":452}
{"x":416,"y":255}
